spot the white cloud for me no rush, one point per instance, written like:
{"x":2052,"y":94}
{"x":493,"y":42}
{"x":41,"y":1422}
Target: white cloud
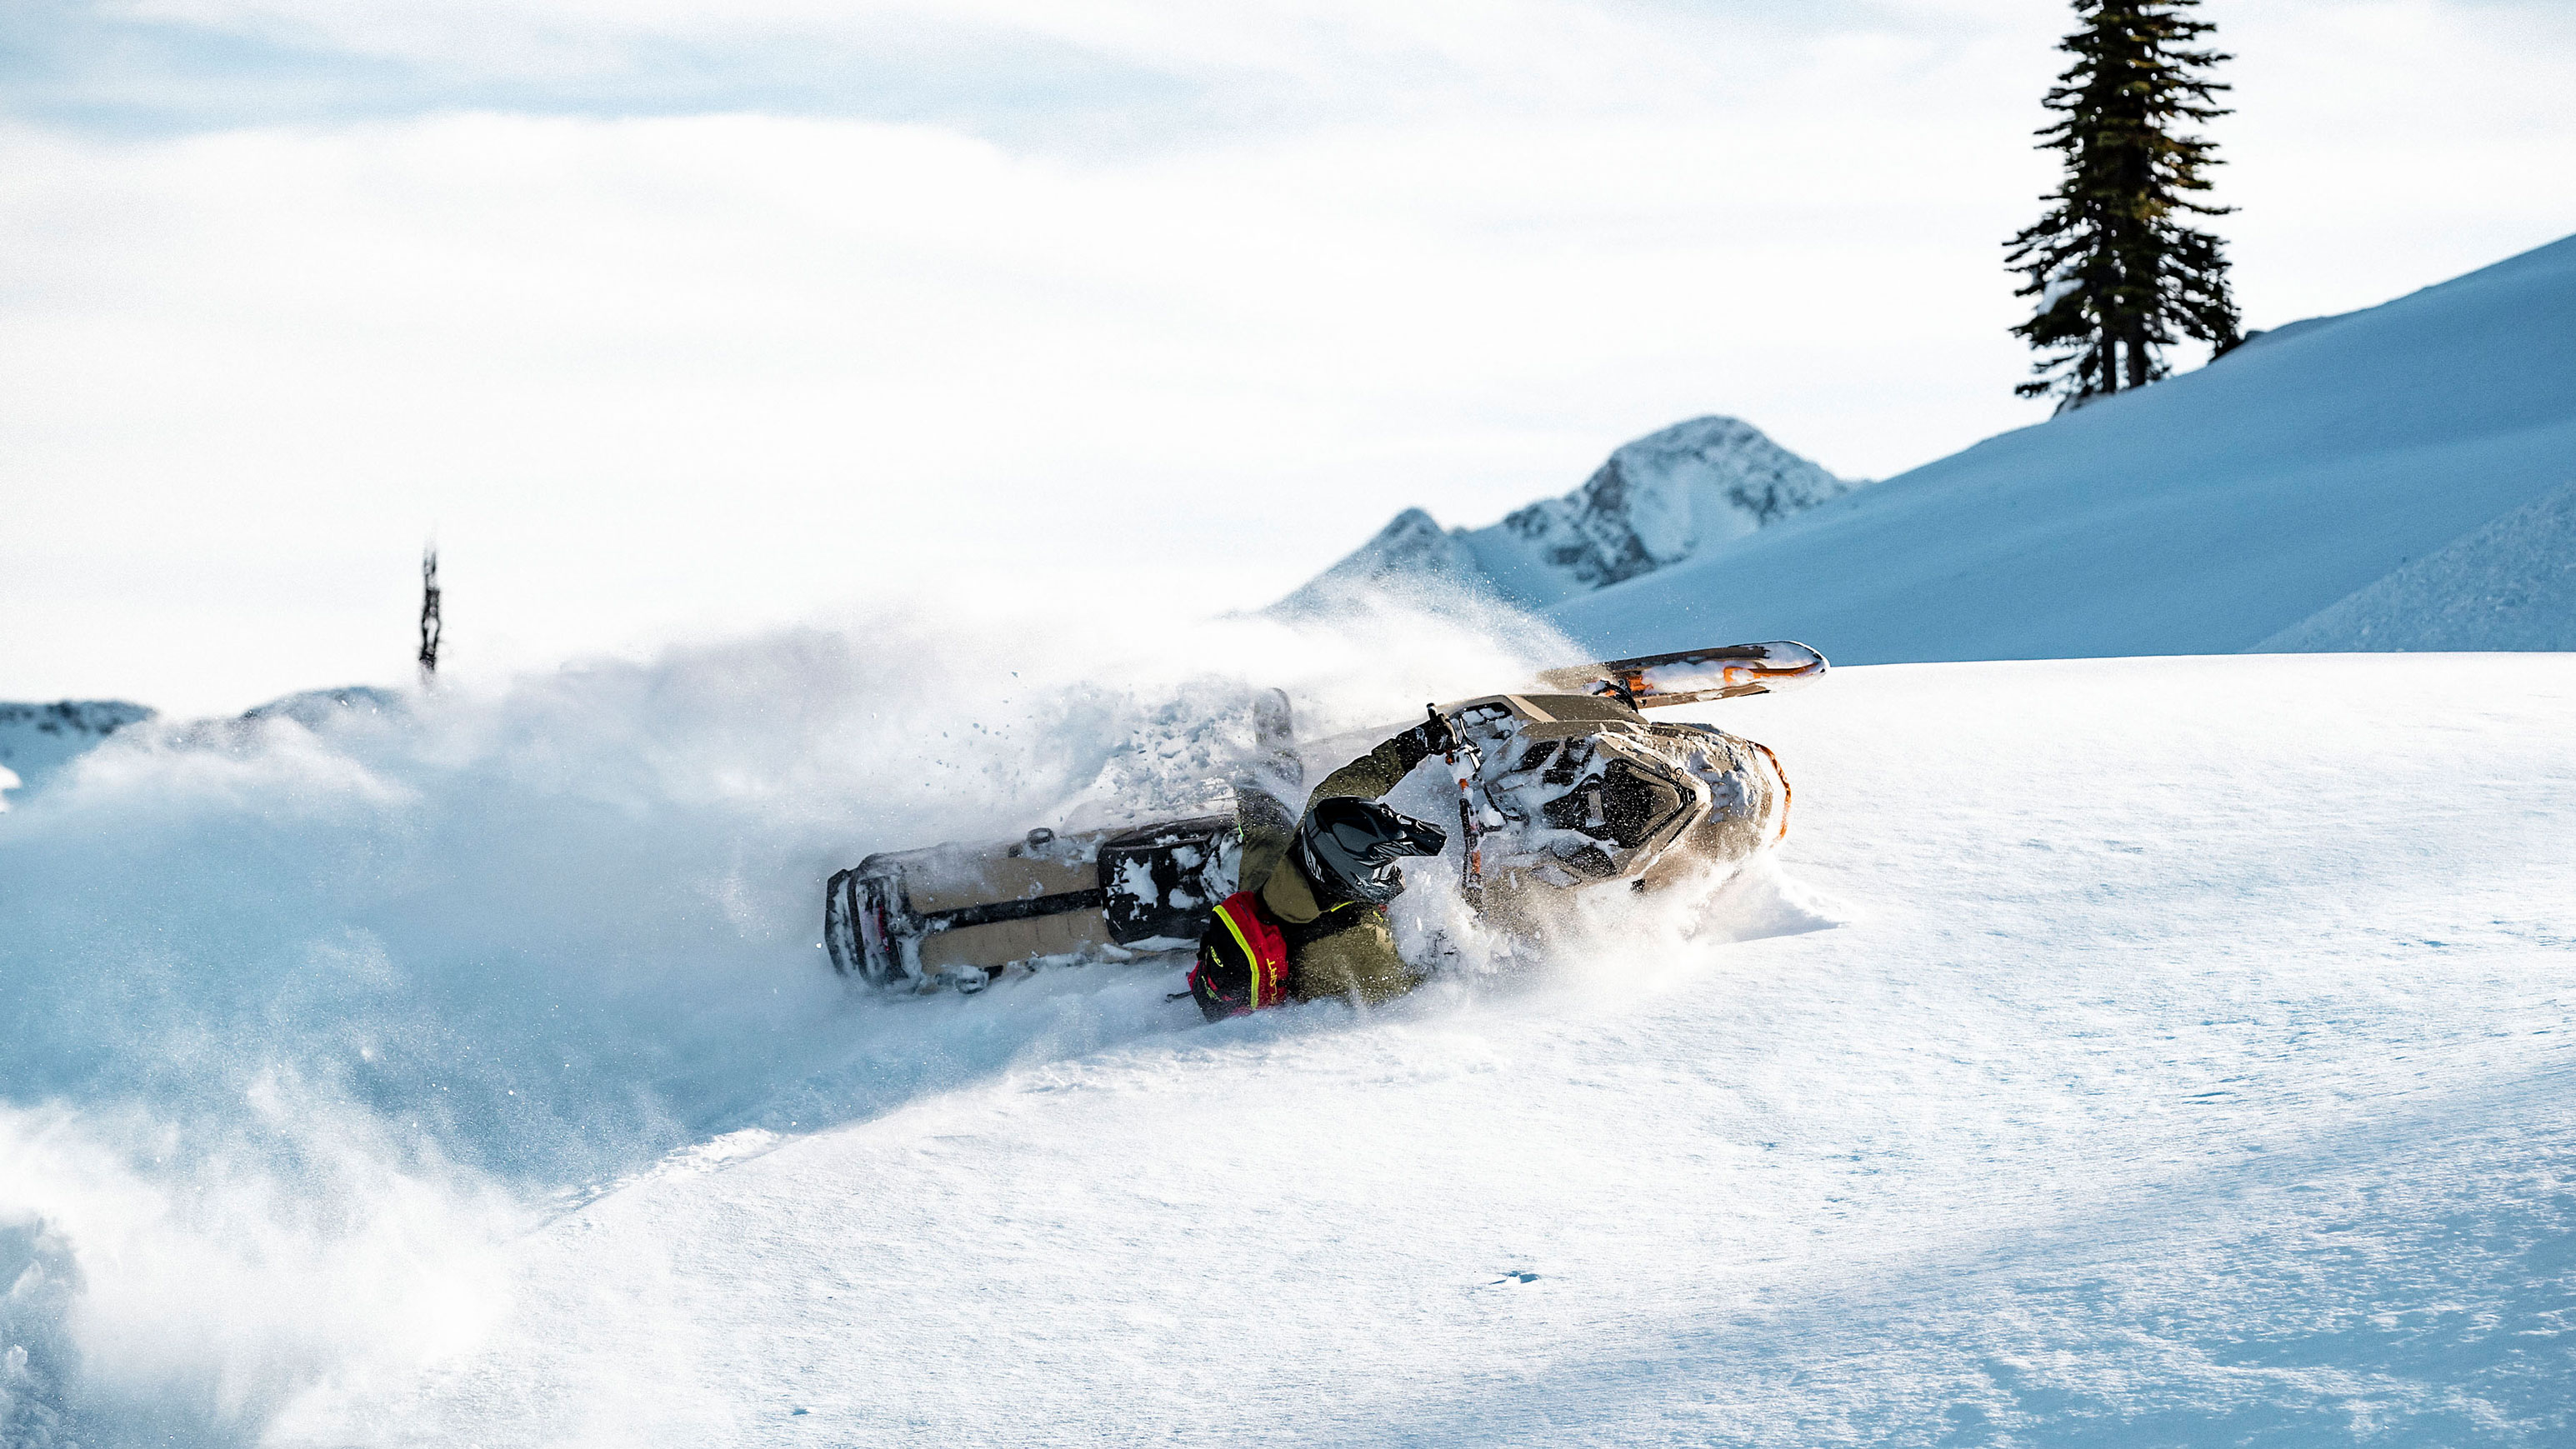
{"x":1314,"y":39}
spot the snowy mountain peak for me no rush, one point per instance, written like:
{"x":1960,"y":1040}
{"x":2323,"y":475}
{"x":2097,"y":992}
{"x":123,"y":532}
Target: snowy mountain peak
{"x":1660,"y":498}
{"x":1656,"y":501}
{"x":1411,"y":551}
{"x":1413,"y":543}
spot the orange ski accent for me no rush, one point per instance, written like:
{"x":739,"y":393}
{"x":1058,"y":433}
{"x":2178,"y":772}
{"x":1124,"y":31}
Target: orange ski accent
{"x":1784,"y":786}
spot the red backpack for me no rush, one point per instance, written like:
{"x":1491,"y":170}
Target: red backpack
{"x":1243,"y":960}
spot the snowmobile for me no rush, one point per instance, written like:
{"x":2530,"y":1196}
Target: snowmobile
{"x":1562,"y":789}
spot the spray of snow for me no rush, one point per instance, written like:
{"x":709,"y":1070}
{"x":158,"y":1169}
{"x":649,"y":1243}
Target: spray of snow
{"x":312,"y":1017}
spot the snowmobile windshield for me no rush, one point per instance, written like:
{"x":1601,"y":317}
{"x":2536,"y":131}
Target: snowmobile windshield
{"x":1350,"y":846}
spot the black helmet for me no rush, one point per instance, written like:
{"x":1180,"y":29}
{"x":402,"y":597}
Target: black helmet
{"x":1350,"y":846}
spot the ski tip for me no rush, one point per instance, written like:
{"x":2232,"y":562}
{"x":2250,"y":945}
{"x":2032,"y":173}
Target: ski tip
{"x":1687,"y":676}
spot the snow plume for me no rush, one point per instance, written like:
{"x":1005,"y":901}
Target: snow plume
{"x":1610,"y":940}
{"x":181,"y":1274}
{"x":309,"y":1021}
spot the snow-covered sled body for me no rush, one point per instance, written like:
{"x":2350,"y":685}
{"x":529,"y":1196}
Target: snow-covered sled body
{"x":1580,"y":791}
{"x":958,"y":914}
{"x":1564,"y":789}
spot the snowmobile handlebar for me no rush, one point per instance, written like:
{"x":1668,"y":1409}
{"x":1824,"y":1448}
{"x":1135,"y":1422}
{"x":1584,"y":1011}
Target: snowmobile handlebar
{"x":1465,"y":763}
{"x":1440,"y":736}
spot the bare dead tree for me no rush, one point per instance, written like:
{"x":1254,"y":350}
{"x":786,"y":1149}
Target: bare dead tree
{"x":429,"y":616}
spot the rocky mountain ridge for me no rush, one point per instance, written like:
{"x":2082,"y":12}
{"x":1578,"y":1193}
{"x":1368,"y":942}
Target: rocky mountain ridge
{"x":1655,"y":502}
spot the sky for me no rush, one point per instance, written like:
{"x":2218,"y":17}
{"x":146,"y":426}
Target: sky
{"x":673,"y":320}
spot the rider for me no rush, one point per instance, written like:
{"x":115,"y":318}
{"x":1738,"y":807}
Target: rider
{"x":1311,"y":919}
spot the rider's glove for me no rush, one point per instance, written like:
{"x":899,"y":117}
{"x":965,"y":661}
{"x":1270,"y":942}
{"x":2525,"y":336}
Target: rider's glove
{"x":1434,"y":734}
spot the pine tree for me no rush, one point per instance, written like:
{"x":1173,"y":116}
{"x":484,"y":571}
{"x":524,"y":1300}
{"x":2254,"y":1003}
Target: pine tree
{"x":2118,"y":272}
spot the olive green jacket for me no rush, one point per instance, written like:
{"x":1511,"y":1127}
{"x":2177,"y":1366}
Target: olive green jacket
{"x":1344,"y":950}
{"x":1378,"y":771}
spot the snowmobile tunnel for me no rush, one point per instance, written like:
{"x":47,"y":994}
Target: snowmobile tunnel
{"x":910,"y":915}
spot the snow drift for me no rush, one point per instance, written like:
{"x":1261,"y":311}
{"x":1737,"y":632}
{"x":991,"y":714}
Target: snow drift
{"x":2222,"y":510}
{"x":2509,"y":585}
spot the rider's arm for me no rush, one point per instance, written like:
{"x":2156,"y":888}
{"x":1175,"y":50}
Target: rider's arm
{"x":1381,"y":769}
{"x":1269,"y":825}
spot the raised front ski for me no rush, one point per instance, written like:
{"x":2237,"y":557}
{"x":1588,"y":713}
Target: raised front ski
{"x":1728,"y":671}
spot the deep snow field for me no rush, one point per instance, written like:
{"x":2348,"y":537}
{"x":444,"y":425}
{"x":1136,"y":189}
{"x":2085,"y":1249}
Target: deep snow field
{"x":2129,"y":1051}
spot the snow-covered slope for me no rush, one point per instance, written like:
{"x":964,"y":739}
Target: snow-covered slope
{"x":2509,"y":585}
{"x":37,"y":739}
{"x":2208,"y":513}
{"x":2169,"y":1051}
{"x":1661,"y":499}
